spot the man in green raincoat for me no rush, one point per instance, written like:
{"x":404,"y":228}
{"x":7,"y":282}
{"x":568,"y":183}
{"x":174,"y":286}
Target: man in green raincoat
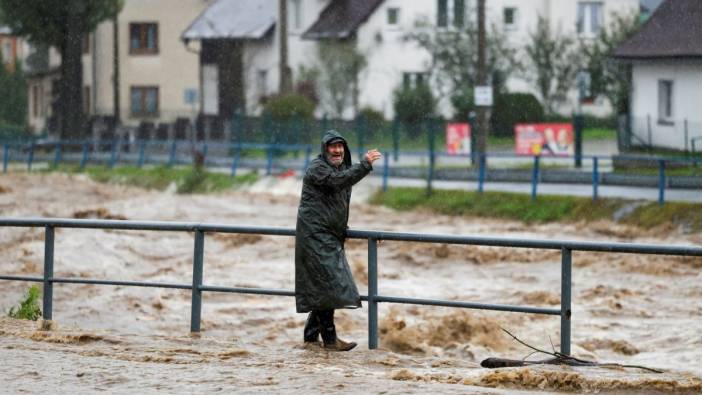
{"x":323,"y":280}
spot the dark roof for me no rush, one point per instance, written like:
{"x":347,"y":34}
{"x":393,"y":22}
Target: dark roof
{"x":341,"y":18}
{"x":673,"y":31}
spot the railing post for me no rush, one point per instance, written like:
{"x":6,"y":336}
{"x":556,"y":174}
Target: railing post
{"x":386,"y":170}
{"x":113,"y":154}
{"x":84,"y":157}
{"x":308,"y":153}
{"x":172,"y":156}
{"x":5,"y":157}
{"x":661,"y":182}
{"x":372,"y":293}
{"x":58,"y":154}
{"x":196,"y":303}
{"x":535,"y":177}
{"x":566,"y":265}
{"x":269,"y":161}
{"x":30,"y":157}
{"x":595,"y":178}
{"x":481,"y":172}
{"x":48,"y":293}
{"x":235,"y":161}
{"x":142,"y":153}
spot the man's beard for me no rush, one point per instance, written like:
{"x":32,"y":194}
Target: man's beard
{"x":335,"y":160}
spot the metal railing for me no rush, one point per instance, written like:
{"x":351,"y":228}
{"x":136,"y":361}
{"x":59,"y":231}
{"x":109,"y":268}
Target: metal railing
{"x":373,"y":298}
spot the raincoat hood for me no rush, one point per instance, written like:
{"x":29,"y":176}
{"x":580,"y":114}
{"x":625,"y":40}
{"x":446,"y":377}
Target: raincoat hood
{"x":330,"y":136}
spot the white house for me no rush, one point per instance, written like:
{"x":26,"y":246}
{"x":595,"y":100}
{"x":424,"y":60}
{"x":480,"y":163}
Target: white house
{"x":666,"y":58}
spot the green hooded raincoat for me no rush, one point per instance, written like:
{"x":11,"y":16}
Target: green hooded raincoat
{"x":323,"y":278}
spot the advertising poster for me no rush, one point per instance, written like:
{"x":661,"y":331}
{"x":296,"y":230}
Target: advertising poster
{"x":457,"y":138}
{"x":545,"y":139}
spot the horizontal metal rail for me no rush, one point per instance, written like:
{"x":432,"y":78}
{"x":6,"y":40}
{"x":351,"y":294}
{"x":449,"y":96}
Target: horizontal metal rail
{"x":373,"y":237}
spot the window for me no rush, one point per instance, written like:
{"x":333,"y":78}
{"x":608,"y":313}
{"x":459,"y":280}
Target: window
{"x":143,"y":38}
{"x":144,"y":100}
{"x":509,"y":17}
{"x":7,"y":51}
{"x":295,"y":17}
{"x":665,"y":101}
{"x":450,"y":13}
{"x":413,"y":80}
{"x":262,"y":83}
{"x":589,"y":18}
{"x":393,"y":16}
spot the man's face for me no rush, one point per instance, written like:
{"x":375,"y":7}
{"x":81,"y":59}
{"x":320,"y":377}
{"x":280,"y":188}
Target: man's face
{"x":335,"y":153}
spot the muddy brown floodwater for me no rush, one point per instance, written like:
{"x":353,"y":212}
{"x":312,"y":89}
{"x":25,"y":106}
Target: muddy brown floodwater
{"x":629,"y":309}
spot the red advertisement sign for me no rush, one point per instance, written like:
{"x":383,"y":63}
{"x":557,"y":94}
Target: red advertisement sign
{"x":545,"y":139}
{"x":457,"y":138}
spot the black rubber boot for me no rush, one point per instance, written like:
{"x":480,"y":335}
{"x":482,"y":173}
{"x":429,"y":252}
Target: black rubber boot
{"x":312,"y":328}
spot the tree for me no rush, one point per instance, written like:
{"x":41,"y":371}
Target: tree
{"x":62,"y":24}
{"x":454,"y":59}
{"x":609,"y":77}
{"x":13,"y":101}
{"x":552,"y":64}
{"x":340,"y":64}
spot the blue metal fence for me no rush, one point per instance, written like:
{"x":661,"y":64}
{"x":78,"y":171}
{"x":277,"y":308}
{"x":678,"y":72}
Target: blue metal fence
{"x":373,"y":237}
{"x":267,"y":156}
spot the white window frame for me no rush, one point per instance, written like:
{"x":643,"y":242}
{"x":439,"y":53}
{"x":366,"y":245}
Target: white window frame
{"x":451,"y":14}
{"x":584,"y":21}
{"x":397,"y":17}
{"x":515,"y":16}
{"x":262,"y":83}
{"x":296,"y":15}
{"x":666,"y":104}
{"x":7,"y":51}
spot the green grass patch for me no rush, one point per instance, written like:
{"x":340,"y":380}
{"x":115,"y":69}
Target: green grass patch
{"x":546,"y":208}
{"x":186,"y":179}
{"x":599,"y":134}
{"x":689,"y":171}
{"x":29,"y":306}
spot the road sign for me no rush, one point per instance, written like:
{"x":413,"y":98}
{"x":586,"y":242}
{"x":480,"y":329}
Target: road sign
{"x":483,"y":96}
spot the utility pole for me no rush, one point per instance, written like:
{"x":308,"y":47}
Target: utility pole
{"x":482,"y":107}
{"x":115,"y":69}
{"x":285,"y":85}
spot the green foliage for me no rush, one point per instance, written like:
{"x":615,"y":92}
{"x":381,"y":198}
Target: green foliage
{"x":340,"y":64}
{"x":185,"y":179}
{"x":552,"y":64}
{"x":607,"y":77}
{"x":413,"y":105}
{"x":462,"y":103}
{"x":454,"y":54}
{"x":546,"y":208}
{"x":13,"y":100}
{"x":373,"y":119}
{"x":47,"y":21}
{"x":29,"y":306}
{"x":513,"y":108}
{"x":288,"y":107}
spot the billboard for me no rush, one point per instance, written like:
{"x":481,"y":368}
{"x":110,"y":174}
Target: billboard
{"x":457,"y":138}
{"x":545,"y":139}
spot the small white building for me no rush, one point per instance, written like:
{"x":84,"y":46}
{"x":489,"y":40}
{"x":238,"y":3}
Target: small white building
{"x":666,"y":59}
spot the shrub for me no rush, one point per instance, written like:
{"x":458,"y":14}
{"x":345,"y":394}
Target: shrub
{"x":29,"y":307}
{"x":462,"y":104}
{"x":287,"y":107}
{"x":413,"y":105}
{"x":513,"y":108}
{"x":374,"y":120}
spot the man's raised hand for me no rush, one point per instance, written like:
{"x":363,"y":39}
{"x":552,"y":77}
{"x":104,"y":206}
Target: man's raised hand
{"x":372,"y":156}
